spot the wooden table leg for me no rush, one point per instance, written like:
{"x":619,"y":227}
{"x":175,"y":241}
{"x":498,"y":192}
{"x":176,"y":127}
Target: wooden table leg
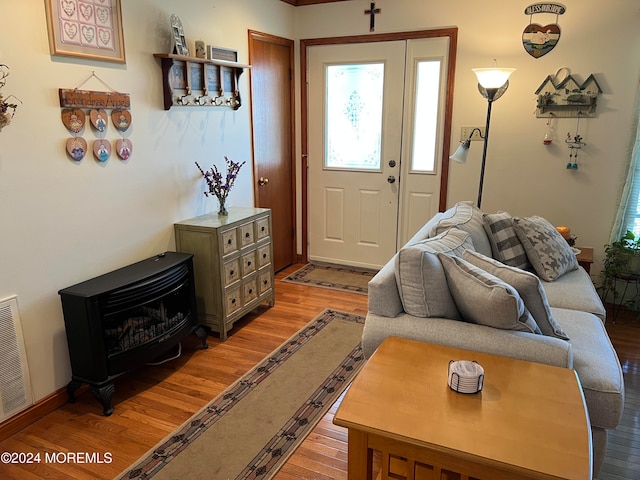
{"x":360,"y":457}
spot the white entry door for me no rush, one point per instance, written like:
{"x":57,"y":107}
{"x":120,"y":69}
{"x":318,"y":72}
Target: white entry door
{"x":375,"y":137}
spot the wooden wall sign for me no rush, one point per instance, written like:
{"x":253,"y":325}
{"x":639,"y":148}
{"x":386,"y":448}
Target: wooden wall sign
{"x":538,"y":40}
{"x":73,"y":98}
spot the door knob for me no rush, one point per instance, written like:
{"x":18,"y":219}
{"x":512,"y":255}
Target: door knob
{"x":263,"y":181}
{"x":391,"y":179}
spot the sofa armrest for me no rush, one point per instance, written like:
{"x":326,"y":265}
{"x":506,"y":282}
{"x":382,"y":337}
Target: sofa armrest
{"x":468,"y":336}
{"x":384,"y":297}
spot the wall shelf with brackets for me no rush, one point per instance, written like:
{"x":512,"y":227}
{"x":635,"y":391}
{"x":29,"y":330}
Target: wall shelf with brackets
{"x":567,"y":99}
{"x":192,"y":81}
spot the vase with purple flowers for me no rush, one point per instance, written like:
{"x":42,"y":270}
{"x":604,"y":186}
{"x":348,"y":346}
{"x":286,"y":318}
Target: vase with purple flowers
{"x":220,"y":185}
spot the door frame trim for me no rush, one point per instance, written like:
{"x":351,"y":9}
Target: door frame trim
{"x":305,"y":44}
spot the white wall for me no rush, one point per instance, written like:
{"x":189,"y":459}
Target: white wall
{"x":522,"y":175}
{"x":64,"y":222}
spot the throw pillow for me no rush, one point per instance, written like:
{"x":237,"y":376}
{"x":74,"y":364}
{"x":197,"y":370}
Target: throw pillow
{"x":484,"y":299}
{"x":549,"y":253}
{"x":420,"y":277}
{"x":465,"y":216}
{"x":505,"y":244}
{"x":529,"y":288}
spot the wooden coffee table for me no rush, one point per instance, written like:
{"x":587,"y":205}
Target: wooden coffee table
{"x":529,"y":421}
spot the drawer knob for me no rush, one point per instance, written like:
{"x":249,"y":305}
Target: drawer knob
{"x":233,"y":301}
{"x":250,"y":291}
{"x":229,"y":242}
{"x":249,"y":263}
{"x":232,"y":272}
{"x":247,"y":235}
{"x":264,"y":255}
{"x":265,"y":281}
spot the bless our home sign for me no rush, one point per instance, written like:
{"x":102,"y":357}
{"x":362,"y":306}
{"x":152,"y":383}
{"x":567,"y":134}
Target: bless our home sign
{"x":537,"y":39}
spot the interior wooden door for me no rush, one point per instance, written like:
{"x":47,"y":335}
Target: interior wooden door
{"x":272,"y":114}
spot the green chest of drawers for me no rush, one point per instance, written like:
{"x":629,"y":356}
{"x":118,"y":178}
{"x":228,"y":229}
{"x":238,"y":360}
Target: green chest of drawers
{"x":232,"y":260}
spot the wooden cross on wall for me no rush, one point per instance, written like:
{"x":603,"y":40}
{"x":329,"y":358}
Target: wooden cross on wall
{"x":372,"y":12}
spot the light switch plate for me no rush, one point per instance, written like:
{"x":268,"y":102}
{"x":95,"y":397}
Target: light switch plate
{"x":465,"y":131}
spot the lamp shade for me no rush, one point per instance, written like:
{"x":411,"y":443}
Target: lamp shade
{"x":461,"y":154}
{"x":493,"y":77}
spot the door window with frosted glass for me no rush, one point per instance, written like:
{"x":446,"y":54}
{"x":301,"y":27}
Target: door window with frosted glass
{"x":425,"y":127}
{"x":354,"y":95}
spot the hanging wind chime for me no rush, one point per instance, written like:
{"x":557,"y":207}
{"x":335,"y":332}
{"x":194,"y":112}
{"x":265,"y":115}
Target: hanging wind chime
{"x":574,"y":143}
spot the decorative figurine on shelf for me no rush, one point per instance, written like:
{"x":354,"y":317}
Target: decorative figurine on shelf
{"x":221,"y":186}
{"x":7,"y":110}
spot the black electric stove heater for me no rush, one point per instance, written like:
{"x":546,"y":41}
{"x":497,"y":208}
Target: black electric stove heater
{"x":127,"y":318}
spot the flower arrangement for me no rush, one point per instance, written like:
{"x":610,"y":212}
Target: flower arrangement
{"x":5,"y":106}
{"x":218,"y":185}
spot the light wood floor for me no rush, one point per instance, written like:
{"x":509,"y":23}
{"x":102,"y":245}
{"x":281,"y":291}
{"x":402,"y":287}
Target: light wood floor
{"x":153,"y":401}
{"x":623,"y":453}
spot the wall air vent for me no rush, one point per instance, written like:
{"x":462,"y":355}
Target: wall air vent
{"x":15,"y":385}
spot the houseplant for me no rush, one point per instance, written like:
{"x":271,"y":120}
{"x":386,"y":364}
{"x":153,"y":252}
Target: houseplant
{"x":221,"y":186}
{"x":621,"y":262}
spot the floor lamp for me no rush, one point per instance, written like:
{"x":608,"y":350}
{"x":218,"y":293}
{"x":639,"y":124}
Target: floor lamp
{"x":492,"y":83}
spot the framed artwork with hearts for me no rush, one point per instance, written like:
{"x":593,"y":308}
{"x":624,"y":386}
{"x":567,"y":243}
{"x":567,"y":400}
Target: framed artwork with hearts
{"x":91,"y":30}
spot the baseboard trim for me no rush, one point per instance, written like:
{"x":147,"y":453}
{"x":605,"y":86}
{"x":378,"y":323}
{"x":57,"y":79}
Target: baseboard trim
{"x":34,"y":413}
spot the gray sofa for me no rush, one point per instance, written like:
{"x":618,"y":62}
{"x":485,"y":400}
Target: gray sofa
{"x":413,"y":281}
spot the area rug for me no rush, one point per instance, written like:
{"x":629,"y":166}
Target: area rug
{"x":333,"y":276}
{"x":251,"y":429}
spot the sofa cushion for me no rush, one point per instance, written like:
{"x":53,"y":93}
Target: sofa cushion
{"x":420,"y":277}
{"x":575,"y":291}
{"x":484,"y":299}
{"x":529,"y":288}
{"x":425,"y":230}
{"x":597,"y":365}
{"x":549,"y":253}
{"x":505,"y":244}
{"x":478,"y":338}
{"x":465,"y":216}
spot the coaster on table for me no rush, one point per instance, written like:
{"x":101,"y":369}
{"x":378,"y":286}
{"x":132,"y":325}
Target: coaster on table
{"x":465,"y":376}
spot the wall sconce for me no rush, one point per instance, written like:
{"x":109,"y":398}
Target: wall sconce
{"x":492,"y":83}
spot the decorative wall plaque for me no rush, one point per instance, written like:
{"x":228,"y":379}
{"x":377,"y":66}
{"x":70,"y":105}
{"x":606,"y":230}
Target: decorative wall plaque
{"x":538,"y":40}
{"x":566,"y":97}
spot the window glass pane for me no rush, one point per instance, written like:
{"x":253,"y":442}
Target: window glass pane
{"x":354,"y":116}
{"x":426,"y":116}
